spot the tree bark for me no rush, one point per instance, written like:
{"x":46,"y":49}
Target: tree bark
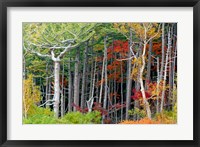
{"x":165,"y":72}
{"x":163,"y":50}
{"x":76,"y":81}
{"x":129,"y":79}
{"x":83,"y":77}
{"x":146,"y":103}
{"x":106,"y":82}
{"x":157,"y":88}
{"x":62,"y":94}
{"x":56,"y":88}
{"x":69,"y":87}
{"x":47,"y":86}
{"x":122,"y":96}
{"x":148,"y":76}
{"x":102,"y":76}
{"x":174,"y":66}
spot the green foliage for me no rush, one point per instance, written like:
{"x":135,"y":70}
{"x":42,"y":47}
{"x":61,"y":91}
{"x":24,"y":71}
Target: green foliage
{"x":46,"y":116}
{"x":80,"y":118}
{"x":41,"y":36}
{"x":139,"y":113}
{"x":167,"y":117}
{"x":31,"y":96}
{"x":40,"y":116}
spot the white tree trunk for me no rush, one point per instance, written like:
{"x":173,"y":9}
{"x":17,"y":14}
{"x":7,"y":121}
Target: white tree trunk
{"x":56,"y":88}
{"x":102,"y":76}
{"x":106,"y":82}
{"x":163,"y":50}
{"x":76,"y":81}
{"x":157,"y":88}
{"x":83,"y":78}
{"x":165,"y":72}
{"x":69,"y":88}
{"x":146,"y":103}
{"x":62,"y":94}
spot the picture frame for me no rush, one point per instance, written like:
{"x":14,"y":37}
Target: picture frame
{"x":195,"y":4}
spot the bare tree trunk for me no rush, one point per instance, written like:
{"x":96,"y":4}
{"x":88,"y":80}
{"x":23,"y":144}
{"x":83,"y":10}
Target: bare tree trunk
{"x":106,"y":82}
{"x":49,"y":92}
{"x":62,"y":95}
{"x":76,"y":81}
{"x":122,"y":97}
{"x":129,"y":80}
{"x":69,"y":88}
{"x":174,"y":65}
{"x":157,"y":88}
{"x":148,"y":76}
{"x":83,"y":77}
{"x":56,"y":88}
{"x":163,"y":50}
{"x":115,"y":90}
{"x":165,"y":72}
{"x":146,"y":103}
{"x":91,"y":99}
{"x":87,"y":82}
{"x":102,"y":76}
{"x":137,"y":83}
{"x":47,"y":86}
{"x":24,"y":67}
{"x":91,"y":78}
{"x":97,"y":87}
{"x":170,"y":75}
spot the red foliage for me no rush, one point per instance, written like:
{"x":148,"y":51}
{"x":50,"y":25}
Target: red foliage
{"x":79,"y":108}
{"x":138,"y":94}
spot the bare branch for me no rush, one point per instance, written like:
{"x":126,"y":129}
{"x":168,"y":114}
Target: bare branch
{"x":53,"y":55}
{"x":125,"y":58}
{"x":64,"y":51}
{"x":37,"y":53}
{"x":46,"y":102}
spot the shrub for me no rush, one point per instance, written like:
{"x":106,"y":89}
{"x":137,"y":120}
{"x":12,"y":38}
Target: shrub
{"x":46,"y":116}
{"x":93,"y":117}
{"x":40,"y":116}
{"x":142,"y":121}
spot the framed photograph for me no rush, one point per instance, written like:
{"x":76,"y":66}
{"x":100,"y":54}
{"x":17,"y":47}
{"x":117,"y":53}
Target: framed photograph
{"x":99,"y":73}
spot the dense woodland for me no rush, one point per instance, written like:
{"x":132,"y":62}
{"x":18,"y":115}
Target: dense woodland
{"x":99,"y":73}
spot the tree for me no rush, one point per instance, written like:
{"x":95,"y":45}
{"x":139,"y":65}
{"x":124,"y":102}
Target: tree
{"x":45,"y":41}
{"x":31,"y":95}
{"x":146,"y":32}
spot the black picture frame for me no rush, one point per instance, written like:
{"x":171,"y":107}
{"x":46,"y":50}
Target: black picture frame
{"x":4,"y":4}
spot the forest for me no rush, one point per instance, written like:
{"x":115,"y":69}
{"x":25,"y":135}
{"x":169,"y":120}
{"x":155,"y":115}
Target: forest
{"x":99,"y":73}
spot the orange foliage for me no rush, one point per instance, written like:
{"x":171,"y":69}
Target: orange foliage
{"x":142,"y":121}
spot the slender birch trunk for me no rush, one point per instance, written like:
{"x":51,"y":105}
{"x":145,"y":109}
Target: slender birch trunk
{"x":122,"y":97}
{"x":165,"y":72}
{"x":69,"y":87}
{"x":102,"y":77}
{"x":91,"y":78}
{"x":129,"y":80}
{"x":84,"y":77}
{"x":47,"y":86}
{"x":76,"y":81}
{"x":106,"y":82}
{"x":163,"y":51}
{"x":148,"y":76}
{"x":56,"y":88}
{"x":157,"y":87}
{"x":62,"y":95}
{"x":146,"y":103}
{"x":174,"y":66}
